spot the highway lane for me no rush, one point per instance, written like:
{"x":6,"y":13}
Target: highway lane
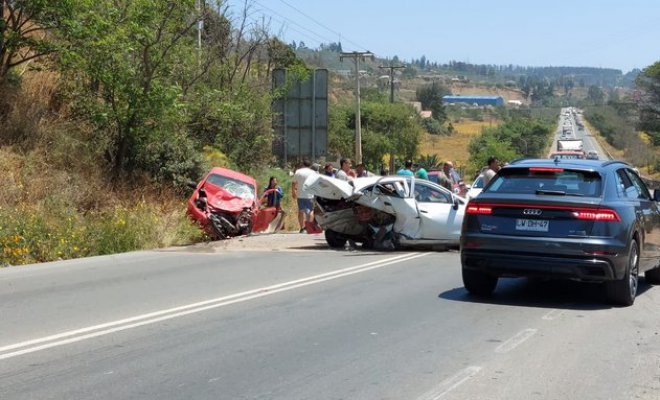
{"x":316,"y":324}
{"x":589,"y":141}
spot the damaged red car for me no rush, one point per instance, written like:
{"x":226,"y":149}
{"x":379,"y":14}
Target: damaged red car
{"x":225,"y":204}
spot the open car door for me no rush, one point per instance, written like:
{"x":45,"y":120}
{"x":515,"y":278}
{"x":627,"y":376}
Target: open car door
{"x":440,"y":219}
{"x":393,"y":196}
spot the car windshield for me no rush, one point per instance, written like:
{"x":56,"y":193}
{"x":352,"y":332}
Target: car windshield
{"x":478,"y":183}
{"x":550,"y":181}
{"x":233,"y":186}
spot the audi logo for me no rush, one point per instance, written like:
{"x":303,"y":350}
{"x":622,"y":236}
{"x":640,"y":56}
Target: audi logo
{"x":532,"y":211}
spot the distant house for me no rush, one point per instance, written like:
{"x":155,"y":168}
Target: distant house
{"x":514,"y":103}
{"x":474,"y":100}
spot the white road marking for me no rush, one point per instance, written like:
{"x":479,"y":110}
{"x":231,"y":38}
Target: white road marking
{"x":515,"y":341}
{"x":450,"y":384}
{"x":553,"y":314}
{"x":77,"y":335}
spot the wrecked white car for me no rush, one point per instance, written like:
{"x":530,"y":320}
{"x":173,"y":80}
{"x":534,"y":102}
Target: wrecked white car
{"x":387,"y":212}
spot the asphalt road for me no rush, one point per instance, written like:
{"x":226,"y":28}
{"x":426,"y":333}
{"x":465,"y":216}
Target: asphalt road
{"x":588,"y":140}
{"x":311,"y":323}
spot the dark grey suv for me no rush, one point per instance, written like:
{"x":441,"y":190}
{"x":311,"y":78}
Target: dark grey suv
{"x":574,"y":219}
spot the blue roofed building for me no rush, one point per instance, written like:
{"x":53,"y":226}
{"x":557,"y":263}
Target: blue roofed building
{"x":494,"y":101}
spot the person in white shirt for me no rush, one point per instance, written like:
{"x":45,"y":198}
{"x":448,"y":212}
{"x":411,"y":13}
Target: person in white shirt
{"x":493,"y":167}
{"x":304,"y":199}
{"x":345,"y":173}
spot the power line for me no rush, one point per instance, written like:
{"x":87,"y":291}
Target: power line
{"x":314,"y":40}
{"x":323,"y":38}
{"x":322,"y":25}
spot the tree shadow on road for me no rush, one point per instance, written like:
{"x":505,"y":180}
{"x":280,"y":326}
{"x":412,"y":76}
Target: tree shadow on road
{"x":560,"y":294}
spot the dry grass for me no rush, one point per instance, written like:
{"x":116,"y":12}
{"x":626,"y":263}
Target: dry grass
{"x":454,"y":147}
{"x":610,"y":150}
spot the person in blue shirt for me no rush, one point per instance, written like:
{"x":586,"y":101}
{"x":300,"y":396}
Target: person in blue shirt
{"x":406,"y":170}
{"x":420,"y":172}
{"x":274,"y":198}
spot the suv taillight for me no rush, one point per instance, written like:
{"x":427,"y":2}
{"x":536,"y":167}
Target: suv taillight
{"x":600,"y":214}
{"x":479,"y":209}
{"x":583,"y":214}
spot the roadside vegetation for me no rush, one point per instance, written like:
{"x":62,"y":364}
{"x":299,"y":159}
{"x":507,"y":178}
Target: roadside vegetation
{"x":109,"y":107}
{"x":629,"y":123}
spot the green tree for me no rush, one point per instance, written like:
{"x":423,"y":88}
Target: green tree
{"x":596,"y":94}
{"x":25,"y":26}
{"x":386,"y":129}
{"x":124,"y":55}
{"x":430,"y":162}
{"x":431,"y":98}
{"x":515,"y":138}
{"x":649,"y":105}
{"x":481,"y":148}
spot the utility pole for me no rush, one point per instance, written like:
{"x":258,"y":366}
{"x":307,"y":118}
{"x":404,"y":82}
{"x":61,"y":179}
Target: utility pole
{"x":392,"y":68}
{"x":357,"y":56}
{"x":200,"y":26}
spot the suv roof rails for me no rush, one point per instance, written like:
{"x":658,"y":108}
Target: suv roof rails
{"x":610,"y":162}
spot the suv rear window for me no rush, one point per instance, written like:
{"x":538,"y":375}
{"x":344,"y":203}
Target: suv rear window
{"x":550,"y":181}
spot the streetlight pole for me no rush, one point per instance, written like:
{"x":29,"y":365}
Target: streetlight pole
{"x":357,"y":56}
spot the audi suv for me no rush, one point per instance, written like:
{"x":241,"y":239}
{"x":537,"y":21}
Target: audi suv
{"x":576,"y":219}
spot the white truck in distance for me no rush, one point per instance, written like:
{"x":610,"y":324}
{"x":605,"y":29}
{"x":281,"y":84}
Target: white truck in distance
{"x":569,"y":145}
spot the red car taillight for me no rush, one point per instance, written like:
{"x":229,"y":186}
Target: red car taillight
{"x":479,"y":209}
{"x":603,"y":215}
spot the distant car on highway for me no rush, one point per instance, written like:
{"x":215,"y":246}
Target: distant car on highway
{"x":592,"y":155}
{"x":476,"y":188}
{"x":591,"y":221}
{"x":567,"y":155}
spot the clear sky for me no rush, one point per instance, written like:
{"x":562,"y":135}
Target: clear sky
{"x":623,"y":34}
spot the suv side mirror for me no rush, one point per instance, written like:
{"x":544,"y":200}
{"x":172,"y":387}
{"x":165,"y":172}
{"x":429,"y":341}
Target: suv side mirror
{"x":656,"y":195}
{"x":455,"y":205}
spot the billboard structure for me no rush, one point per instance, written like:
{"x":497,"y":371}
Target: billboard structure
{"x":300,"y":120}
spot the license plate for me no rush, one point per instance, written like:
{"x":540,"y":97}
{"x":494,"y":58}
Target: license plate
{"x":535,"y":225}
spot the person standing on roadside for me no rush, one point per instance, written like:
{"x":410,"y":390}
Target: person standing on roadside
{"x":274,"y":197}
{"x":452,"y":175}
{"x":406,"y":170}
{"x":304,"y":199}
{"x":493,"y":167}
{"x":329,"y":170}
{"x":361,"y":171}
{"x":345,"y":173}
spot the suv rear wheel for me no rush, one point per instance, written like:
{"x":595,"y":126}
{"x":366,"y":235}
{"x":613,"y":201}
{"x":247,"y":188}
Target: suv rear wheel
{"x":478,"y":283}
{"x":623,"y":291}
{"x":652,"y":276}
{"x":334,"y":239}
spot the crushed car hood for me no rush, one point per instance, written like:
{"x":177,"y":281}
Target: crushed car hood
{"x":336,"y":189}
